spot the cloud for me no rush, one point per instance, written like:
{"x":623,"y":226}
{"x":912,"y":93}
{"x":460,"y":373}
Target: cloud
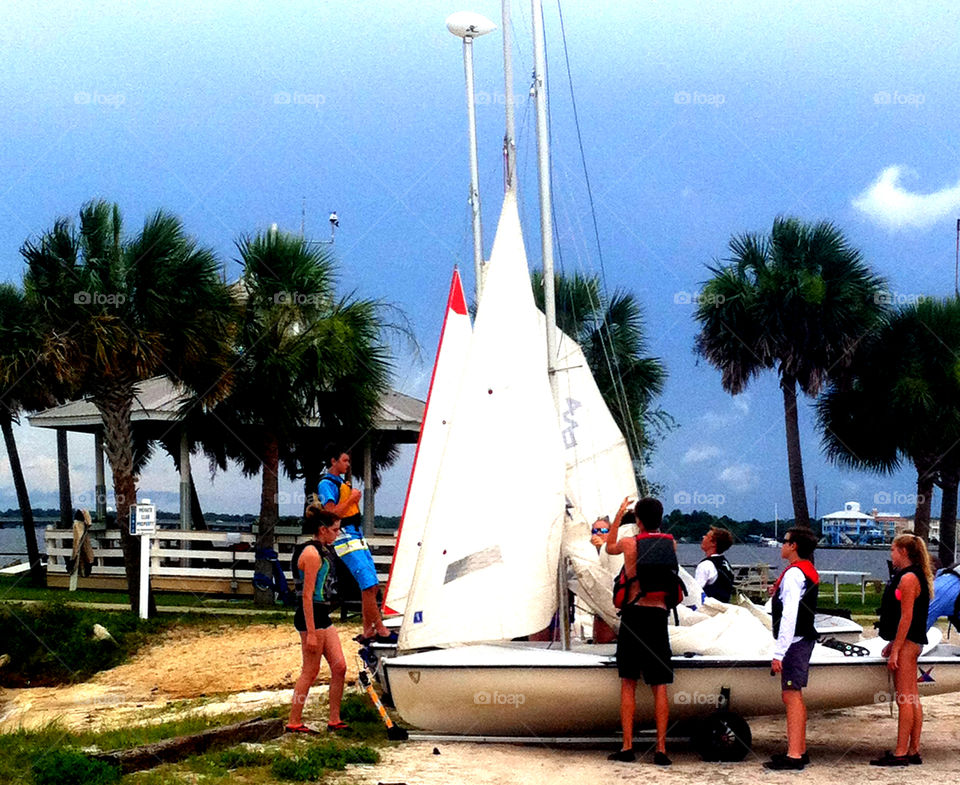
{"x":701,"y":453}
{"x":892,"y":206}
{"x":740,"y":477}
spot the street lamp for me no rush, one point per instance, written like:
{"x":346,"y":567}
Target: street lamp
{"x":467,"y":25}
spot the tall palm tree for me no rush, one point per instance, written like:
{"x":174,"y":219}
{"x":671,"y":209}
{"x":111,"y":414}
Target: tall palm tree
{"x":902,"y":400}
{"x":302,"y":352}
{"x":119,"y":310}
{"x":797,"y":302}
{"x":24,"y":385}
{"x":611,"y":334}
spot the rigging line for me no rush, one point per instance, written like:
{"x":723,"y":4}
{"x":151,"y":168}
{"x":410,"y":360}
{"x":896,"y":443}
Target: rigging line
{"x":616,"y":376}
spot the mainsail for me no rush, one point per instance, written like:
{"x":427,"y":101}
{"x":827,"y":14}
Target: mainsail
{"x":487,"y":568}
{"x":452,"y":352}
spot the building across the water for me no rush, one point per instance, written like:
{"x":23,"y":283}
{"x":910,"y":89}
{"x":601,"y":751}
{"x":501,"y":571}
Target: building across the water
{"x":853,"y":526}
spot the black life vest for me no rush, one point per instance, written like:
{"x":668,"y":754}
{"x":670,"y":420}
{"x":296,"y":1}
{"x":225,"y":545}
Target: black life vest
{"x":805,"y":628}
{"x":657,"y":570}
{"x":326,"y":575}
{"x":890,"y":609}
{"x":722,"y":588}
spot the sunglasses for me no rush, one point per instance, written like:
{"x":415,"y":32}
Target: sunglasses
{"x":599,"y":531}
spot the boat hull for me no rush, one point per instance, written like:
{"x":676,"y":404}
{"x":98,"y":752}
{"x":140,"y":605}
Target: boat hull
{"x":518,"y":690}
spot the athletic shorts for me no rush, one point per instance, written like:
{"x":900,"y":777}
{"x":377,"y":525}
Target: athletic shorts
{"x":321,"y":617}
{"x":796,"y":665}
{"x":643,"y":645}
{"x":360,"y":564}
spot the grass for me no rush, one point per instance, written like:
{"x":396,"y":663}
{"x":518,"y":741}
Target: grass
{"x":53,"y":755}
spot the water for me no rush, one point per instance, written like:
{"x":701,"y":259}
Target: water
{"x":869,"y":560}
{"x":13,"y":546}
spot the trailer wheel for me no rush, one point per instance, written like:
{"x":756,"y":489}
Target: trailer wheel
{"x":723,"y":736}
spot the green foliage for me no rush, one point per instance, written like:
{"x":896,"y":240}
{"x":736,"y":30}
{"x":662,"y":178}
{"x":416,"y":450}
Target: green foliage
{"x":52,"y":643}
{"x":68,"y":767}
{"x":242,"y":757}
{"x":358,"y":708}
{"x":320,"y":756}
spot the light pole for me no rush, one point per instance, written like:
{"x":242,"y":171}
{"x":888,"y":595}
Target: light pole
{"x":467,"y":25}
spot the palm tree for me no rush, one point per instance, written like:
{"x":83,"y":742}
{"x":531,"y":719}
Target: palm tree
{"x":24,"y":385}
{"x":119,"y":310}
{"x":301,"y":353}
{"x":798,"y":302}
{"x":902,"y":400}
{"x":611,"y":334}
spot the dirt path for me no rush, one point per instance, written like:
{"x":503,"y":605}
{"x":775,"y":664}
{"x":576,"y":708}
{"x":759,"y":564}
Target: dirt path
{"x":228,"y":668}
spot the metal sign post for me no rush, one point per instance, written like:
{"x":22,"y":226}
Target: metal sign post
{"x":143,"y":523}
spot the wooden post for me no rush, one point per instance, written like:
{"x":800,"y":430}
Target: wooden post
{"x":63,"y":472}
{"x":101,"y":484}
{"x":186,"y":522}
{"x":368,"y":507}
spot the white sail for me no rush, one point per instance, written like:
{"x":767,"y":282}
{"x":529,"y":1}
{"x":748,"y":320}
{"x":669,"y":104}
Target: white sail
{"x":451,"y":359}
{"x":488,"y":563}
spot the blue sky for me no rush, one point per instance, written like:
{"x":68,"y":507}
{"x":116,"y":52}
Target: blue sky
{"x":699,"y":120}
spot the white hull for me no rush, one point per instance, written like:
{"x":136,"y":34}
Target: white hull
{"x":520,"y":689}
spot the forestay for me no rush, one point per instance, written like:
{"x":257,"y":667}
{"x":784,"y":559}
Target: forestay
{"x":487,"y":568}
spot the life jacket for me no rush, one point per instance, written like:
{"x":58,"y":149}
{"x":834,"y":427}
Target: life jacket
{"x":722,"y":588}
{"x":325,"y":589}
{"x":805,"y":628}
{"x":890,"y":608}
{"x":352,"y":516}
{"x":657,"y":570}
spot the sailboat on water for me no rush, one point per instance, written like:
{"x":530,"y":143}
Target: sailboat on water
{"x":525,"y":466}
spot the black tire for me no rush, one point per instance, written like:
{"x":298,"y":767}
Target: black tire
{"x":723,"y":736}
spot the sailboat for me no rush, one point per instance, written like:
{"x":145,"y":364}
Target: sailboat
{"x":525,"y":468}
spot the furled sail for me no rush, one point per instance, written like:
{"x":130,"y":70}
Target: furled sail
{"x":487,"y":568}
{"x":452,"y":352}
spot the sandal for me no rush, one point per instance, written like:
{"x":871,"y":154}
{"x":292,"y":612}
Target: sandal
{"x":338,"y":725}
{"x":363,"y":640}
{"x":889,"y":759}
{"x":301,"y":728}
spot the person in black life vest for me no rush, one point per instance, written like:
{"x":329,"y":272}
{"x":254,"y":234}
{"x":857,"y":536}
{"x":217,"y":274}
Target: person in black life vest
{"x":313,"y":573}
{"x":643,"y":644}
{"x":903,"y":622}
{"x":794,"y":607}
{"x":714,"y":573}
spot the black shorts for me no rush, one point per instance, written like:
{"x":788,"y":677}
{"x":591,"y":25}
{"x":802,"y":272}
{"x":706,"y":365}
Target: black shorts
{"x":321,"y":617}
{"x":796,"y":665}
{"x":643,"y":645}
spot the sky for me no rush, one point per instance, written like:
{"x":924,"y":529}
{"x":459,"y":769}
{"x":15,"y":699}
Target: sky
{"x":699,"y":121}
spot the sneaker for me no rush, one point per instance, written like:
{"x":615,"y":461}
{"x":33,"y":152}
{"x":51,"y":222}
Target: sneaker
{"x":915,"y":759}
{"x":889,"y":759}
{"x":624,"y":756}
{"x":784,"y":763}
{"x":661,"y":759}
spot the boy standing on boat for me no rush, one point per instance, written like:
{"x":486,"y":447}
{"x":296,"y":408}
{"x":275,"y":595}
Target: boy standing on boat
{"x":794,"y":608}
{"x":714,"y":573}
{"x":336,"y":495}
{"x":643,"y":644}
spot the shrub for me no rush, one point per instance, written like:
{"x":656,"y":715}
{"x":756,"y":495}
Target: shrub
{"x":68,"y":767}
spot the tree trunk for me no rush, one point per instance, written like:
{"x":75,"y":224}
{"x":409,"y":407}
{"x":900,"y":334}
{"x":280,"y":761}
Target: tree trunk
{"x":798,"y":491}
{"x":921,"y":516}
{"x":118,"y":444}
{"x":950,"y":478}
{"x":37,"y":575}
{"x":269,"y":514}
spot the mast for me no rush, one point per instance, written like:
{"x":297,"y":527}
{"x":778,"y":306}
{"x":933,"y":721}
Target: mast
{"x":546,"y":242}
{"x":509,"y":136}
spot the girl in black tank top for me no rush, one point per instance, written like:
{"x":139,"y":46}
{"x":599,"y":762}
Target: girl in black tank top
{"x":903,"y":622}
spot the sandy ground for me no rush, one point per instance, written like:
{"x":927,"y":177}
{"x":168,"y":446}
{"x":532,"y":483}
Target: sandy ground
{"x":188,"y":670}
{"x":242,"y":669}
